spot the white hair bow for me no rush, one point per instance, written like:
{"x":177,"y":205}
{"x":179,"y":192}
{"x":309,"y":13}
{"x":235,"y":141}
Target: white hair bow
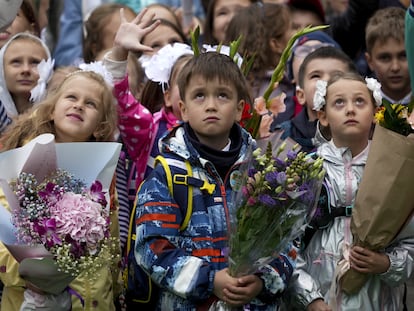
{"x":224,"y":49}
{"x":158,"y":67}
{"x":100,"y":69}
{"x":45,"y":70}
{"x":319,"y":96}
{"x":375,"y":87}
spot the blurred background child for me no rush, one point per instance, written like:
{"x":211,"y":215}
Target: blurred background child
{"x":19,"y":60}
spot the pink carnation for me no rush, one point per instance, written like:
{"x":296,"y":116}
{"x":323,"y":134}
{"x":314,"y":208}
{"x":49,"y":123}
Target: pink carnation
{"x":81,"y":218}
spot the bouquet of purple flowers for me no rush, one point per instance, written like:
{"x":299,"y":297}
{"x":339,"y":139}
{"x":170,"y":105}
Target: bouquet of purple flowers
{"x":270,"y":207}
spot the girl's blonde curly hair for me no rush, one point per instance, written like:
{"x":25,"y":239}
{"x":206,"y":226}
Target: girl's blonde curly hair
{"x":38,"y":120}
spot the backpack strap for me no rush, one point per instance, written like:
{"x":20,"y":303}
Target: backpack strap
{"x":185,"y":181}
{"x":171,"y":180}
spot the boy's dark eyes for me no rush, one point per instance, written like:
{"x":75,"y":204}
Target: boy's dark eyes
{"x":385,"y":57}
{"x":223,"y":95}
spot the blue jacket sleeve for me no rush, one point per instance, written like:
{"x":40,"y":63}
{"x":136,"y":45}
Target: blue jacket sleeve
{"x":276,"y":275}
{"x":69,"y":46}
{"x":158,"y":245}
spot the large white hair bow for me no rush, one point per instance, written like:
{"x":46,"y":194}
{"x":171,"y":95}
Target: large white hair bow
{"x":158,"y":67}
{"x":45,"y":70}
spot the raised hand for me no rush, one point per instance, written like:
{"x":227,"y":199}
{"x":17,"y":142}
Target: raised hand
{"x":129,"y":35}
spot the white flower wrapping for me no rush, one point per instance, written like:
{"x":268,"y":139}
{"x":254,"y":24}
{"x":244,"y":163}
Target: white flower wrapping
{"x":319,"y":96}
{"x":88,"y":162}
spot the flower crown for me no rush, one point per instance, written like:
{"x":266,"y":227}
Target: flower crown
{"x":320,"y":92}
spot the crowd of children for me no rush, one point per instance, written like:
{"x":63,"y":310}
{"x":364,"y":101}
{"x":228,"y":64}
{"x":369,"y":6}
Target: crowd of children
{"x":147,"y":85}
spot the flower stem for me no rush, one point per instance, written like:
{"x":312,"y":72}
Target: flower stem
{"x":280,"y":68}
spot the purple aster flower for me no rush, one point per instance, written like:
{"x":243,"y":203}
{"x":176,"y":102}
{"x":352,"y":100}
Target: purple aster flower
{"x":281,"y":178}
{"x":271,"y":178}
{"x":308,"y":195}
{"x":291,"y":155}
{"x":251,"y":172}
{"x":280,"y":164}
{"x":267,"y":200}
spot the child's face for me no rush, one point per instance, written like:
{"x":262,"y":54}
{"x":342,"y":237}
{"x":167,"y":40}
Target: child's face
{"x":78,"y":111}
{"x":110,"y":26}
{"x":317,"y":69}
{"x":172,"y":100}
{"x":20,"y":65}
{"x":160,"y":37}
{"x":388,"y":61}
{"x":301,"y":52}
{"x":172,"y":95}
{"x":211,"y":108}
{"x":224,"y":10}
{"x":349,"y":112}
{"x":20,"y":24}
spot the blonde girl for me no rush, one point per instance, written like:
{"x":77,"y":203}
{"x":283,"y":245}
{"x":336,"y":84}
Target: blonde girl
{"x":81,"y":109}
{"x":347,"y":104}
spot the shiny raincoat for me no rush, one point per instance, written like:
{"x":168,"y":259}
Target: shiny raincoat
{"x":316,"y":265}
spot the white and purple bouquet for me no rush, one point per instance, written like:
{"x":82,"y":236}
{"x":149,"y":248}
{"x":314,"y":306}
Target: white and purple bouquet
{"x":270,"y":209}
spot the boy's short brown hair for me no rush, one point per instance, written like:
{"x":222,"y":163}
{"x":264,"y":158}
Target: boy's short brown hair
{"x":212,"y":65}
{"x":384,"y":24}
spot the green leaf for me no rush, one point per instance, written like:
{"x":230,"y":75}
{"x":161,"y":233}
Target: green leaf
{"x":280,"y":68}
{"x":194,"y":40}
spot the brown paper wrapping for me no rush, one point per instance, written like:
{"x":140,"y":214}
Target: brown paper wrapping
{"x":385,"y":198}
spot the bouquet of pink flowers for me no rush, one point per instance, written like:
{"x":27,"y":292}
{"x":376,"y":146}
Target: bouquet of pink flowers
{"x":271,"y":206}
{"x":69,"y":219}
{"x":57,"y":225}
